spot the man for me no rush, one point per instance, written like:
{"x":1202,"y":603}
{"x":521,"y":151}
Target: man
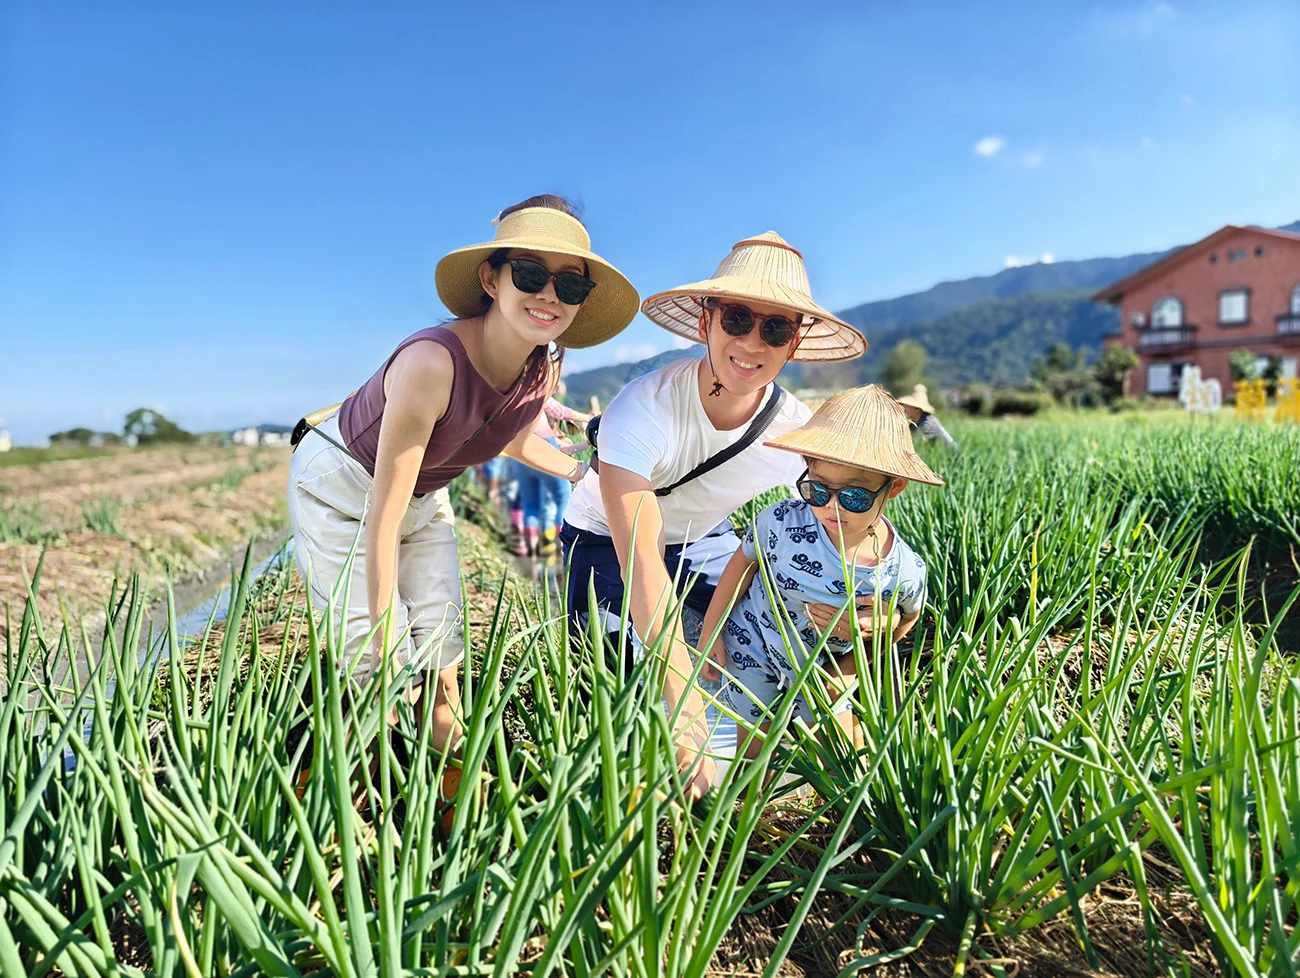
{"x":753,"y":316}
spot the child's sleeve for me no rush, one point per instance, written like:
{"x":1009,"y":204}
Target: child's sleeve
{"x":758,"y":530}
{"x":911,"y":584}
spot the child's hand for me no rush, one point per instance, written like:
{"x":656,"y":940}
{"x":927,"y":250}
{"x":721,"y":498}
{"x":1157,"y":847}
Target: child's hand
{"x":821,"y":616}
{"x":714,"y":662}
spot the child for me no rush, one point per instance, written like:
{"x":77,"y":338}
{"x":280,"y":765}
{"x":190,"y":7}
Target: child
{"x":859,"y":455}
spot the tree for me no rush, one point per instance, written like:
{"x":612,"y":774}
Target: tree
{"x":73,"y":436}
{"x":905,"y":367}
{"x":150,"y":427}
{"x":1241,"y":362}
{"x":1112,"y":369}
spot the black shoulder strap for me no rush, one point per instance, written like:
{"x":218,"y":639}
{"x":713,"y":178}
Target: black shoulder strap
{"x":751,"y":435}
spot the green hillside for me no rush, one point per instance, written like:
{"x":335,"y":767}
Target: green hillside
{"x":948,"y":297}
{"x":605,"y":382}
{"x":993,"y":341}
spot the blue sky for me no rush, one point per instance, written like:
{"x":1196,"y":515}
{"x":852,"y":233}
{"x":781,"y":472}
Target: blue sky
{"x":233,"y":211}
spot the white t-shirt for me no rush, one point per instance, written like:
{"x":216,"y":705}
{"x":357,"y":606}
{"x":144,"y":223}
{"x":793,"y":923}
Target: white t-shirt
{"x":657,"y":428}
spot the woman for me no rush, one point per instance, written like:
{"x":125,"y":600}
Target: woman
{"x":755,"y":315}
{"x":449,"y":397}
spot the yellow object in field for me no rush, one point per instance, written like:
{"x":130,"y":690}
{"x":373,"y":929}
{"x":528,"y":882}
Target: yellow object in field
{"x":1252,"y":399}
{"x":1288,"y":400}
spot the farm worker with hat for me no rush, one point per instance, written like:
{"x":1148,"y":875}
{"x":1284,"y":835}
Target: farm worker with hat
{"x":830,"y":546}
{"x":681,"y":448}
{"x":375,"y":473}
{"x":920,"y":412}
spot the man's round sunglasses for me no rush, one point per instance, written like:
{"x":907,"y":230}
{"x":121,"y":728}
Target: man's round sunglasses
{"x":853,"y":499}
{"x":775,"y":331}
{"x":530,"y":277}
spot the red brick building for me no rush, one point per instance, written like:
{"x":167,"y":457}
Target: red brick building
{"x":1240,"y":287}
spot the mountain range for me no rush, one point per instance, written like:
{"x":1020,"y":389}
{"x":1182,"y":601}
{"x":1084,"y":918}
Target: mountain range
{"x":986,"y":328}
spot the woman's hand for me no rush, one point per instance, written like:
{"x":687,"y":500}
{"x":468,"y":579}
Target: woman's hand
{"x":869,"y":620}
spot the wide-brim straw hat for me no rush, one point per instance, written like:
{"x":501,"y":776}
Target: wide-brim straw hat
{"x":919,"y":398}
{"x":609,"y":308}
{"x":763,"y":269}
{"x":865,"y":428}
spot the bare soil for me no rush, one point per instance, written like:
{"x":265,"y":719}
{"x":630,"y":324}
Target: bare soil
{"x":176,"y":511}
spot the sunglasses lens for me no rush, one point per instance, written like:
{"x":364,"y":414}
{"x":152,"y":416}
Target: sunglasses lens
{"x":572,"y":289}
{"x":528,"y":276}
{"x":778,"y":331}
{"x":737,"y":320}
{"x":814,"y":493}
{"x":856,"y":500}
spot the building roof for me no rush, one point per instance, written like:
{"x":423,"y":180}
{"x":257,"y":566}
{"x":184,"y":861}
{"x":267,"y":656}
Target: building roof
{"x":1115,"y":292}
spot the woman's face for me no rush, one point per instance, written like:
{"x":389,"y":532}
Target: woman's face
{"x":538,"y":318}
{"x":746,"y":363}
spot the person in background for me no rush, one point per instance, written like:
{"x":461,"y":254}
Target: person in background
{"x":539,"y":500}
{"x":752,"y":317}
{"x":920,"y":412}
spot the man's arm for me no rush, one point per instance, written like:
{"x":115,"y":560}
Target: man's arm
{"x":630,"y":503}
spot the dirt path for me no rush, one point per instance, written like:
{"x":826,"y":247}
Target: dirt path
{"x":166,"y":511}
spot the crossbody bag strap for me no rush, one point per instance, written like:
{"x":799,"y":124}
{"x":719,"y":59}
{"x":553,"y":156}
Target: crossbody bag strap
{"x":751,"y":435}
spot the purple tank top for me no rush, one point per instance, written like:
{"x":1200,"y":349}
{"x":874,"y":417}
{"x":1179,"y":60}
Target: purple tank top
{"x":480,"y":420}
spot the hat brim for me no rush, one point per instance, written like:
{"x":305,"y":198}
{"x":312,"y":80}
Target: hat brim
{"x":831,"y":446}
{"x":829,"y":338}
{"x":921,"y":404}
{"x":609,"y":309}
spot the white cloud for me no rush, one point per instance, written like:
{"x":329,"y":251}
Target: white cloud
{"x":990,"y":146}
{"x":1016,"y":261}
{"x":682,"y":343}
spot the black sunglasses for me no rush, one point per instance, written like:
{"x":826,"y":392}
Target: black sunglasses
{"x":853,"y":499}
{"x":530,"y":277}
{"x":775,"y":331}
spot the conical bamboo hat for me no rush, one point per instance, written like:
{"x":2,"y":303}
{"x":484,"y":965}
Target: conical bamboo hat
{"x":764,"y":269}
{"x":865,"y":428}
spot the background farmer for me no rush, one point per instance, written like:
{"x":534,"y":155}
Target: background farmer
{"x":920,"y":412}
{"x":753,"y":316}
{"x":449,"y":397}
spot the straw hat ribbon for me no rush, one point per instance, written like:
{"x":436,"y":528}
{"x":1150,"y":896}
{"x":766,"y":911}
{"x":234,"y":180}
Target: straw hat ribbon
{"x":865,"y":428}
{"x":766,"y":270}
{"x":607,"y":311}
{"x":919,"y":398}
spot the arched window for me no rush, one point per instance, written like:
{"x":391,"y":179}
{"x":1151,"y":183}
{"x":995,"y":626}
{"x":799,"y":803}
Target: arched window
{"x":1295,"y":300}
{"x":1167,"y":312}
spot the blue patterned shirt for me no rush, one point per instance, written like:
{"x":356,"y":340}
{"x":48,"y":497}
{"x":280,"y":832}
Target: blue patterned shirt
{"x":806,"y":568}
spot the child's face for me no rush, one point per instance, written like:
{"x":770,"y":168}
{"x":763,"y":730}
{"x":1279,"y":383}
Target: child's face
{"x":838,"y":521}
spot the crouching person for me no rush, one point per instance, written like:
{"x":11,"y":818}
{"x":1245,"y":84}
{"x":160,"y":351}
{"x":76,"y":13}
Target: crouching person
{"x":859,"y":455}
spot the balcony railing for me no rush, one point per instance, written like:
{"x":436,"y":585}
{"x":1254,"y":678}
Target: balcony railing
{"x":1166,"y":336}
{"x":1288,"y":326}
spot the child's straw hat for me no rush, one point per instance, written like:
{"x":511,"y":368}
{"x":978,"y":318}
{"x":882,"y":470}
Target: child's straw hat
{"x":763,"y":269}
{"x":607,"y":311}
{"x":864,"y":428}
{"x":919,"y":398}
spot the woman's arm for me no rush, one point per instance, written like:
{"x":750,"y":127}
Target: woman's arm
{"x":630,"y":501}
{"x":418,"y":386}
{"x":735,"y":580}
{"x":541,"y":455}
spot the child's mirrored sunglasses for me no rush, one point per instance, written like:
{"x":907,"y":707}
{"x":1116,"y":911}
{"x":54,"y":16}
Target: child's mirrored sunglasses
{"x":853,"y":499}
{"x":775,"y":331}
{"x":530,"y":277}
